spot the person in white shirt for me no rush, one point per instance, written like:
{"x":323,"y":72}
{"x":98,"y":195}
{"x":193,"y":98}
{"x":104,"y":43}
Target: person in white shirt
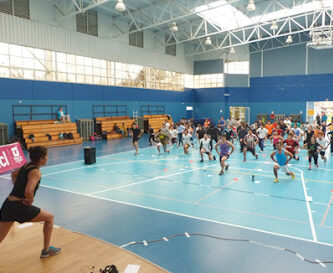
{"x":167,"y":124}
{"x":174,"y":134}
{"x":262,"y":133}
{"x":206,"y":147}
{"x":287,"y":122}
{"x":186,"y":140}
{"x":324,"y":143}
{"x":165,"y":130}
{"x":180,"y":130}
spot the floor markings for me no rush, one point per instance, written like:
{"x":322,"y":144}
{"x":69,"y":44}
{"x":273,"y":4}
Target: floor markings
{"x":313,"y":230}
{"x":327,"y":209}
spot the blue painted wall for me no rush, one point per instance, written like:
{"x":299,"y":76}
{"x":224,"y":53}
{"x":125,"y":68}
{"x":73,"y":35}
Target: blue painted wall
{"x":283,"y":94}
{"x":208,"y":67}
{"x":79,"y":98}
{"x":210,"y":101}
{"x":288,"y":94}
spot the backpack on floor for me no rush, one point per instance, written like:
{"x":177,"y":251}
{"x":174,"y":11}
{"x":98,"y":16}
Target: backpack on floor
{"x":32,"y":137}
{"x":70,"y":136}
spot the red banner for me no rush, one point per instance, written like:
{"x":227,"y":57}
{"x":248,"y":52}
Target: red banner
{"x":11,"y":157}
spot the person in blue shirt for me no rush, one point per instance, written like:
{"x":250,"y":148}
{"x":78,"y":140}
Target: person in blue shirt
{"x":281,"y":161}
{"x":61,"y":117}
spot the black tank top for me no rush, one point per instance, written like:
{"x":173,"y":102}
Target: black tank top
{"x":22,"y":180}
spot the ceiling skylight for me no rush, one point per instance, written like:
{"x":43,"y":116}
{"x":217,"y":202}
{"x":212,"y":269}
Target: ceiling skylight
{"x":227,"y":17}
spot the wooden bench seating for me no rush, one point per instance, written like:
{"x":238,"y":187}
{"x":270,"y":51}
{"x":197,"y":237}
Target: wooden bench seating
{"x":100,"y":119}
{"x":19,"y":124}
{"x":114,"y":136}
{"x":107,"y":124}
{"x":156,"y":121}
{"x":39,"y":129}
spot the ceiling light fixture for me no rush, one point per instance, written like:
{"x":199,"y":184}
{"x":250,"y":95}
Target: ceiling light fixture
{"x":274,"y":26}
{"x":289,"y":39}
{"x":173,"y":27}
{"x":120,"y":6}
{"x":208,"y":41}
{"x":251,"y":6}
{"x":232,"y":50}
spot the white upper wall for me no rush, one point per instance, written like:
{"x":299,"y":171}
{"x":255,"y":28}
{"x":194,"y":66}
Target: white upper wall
{"x":47,"y":29}
{"x":241,"y":54}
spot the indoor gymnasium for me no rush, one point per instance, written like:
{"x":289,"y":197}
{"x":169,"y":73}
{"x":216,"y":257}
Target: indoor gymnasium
{"x":155,"y":136}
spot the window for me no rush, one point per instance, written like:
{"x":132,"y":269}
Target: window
{"x":20,"y":8}
{"x":236,"y":67}
{"x":170,"y":49}
{"x":135,"y":37}
{"x":208,"y":80}
{"x":87,"y":23}
{"x":38,"y":64}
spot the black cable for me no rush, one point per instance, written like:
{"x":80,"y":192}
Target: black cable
{"x":188,"y":235}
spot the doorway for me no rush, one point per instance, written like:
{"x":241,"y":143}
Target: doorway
{"x":319,"y":107}
{"x":243,"y":113}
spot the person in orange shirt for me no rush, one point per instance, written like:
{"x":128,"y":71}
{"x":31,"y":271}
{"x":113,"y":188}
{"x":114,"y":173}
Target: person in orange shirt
{"x":207,"y":123}
{"x":269,"y":128}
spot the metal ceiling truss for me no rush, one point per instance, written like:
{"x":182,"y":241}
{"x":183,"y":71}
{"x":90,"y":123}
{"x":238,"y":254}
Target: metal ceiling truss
{"x":260,"y":32}
{"x":165,"y":12}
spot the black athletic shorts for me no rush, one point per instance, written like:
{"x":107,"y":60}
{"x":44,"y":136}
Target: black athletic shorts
{"x":322,"y":153}
{"x":135,"y":139}
{"x":252,"y":150}
{"x":16,"y":211}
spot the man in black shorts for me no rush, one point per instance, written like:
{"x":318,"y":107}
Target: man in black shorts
{"x":250,"y":142}
{"x":136,"y":134}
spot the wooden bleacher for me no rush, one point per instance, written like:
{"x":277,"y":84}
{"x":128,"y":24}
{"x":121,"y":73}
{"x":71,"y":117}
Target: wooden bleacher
{"x":39,"y":128}
{"x":156,"y":121}
{"x":107,"y":124}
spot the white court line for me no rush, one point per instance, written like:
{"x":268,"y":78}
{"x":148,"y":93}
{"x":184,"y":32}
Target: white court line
{"x":96,"y":157}
{"x":145,"y":181}
{"x":324,"y":169}
{"x":192,"y":217}
{"x":82,"y":154}
{"x":7,"y":176}
{"x":313,"y":230}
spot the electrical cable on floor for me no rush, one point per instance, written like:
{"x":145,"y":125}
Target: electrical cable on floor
{"x":188,"y":235}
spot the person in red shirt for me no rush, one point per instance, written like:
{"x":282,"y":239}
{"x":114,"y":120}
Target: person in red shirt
{"x":279,"y":130}
{"x":276,"y":138}
{"x":291,"y":145}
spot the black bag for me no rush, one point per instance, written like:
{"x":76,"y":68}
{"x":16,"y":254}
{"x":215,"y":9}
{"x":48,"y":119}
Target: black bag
{"x":49,"y":136}
{"x":65,"y":135}
{"x":32,"y":137}
{"x":70,"y":136}
{"x":110,"y":269}
{"x":104,"y":135}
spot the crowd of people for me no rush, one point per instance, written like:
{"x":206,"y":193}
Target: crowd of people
{"x":285,"y":137}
